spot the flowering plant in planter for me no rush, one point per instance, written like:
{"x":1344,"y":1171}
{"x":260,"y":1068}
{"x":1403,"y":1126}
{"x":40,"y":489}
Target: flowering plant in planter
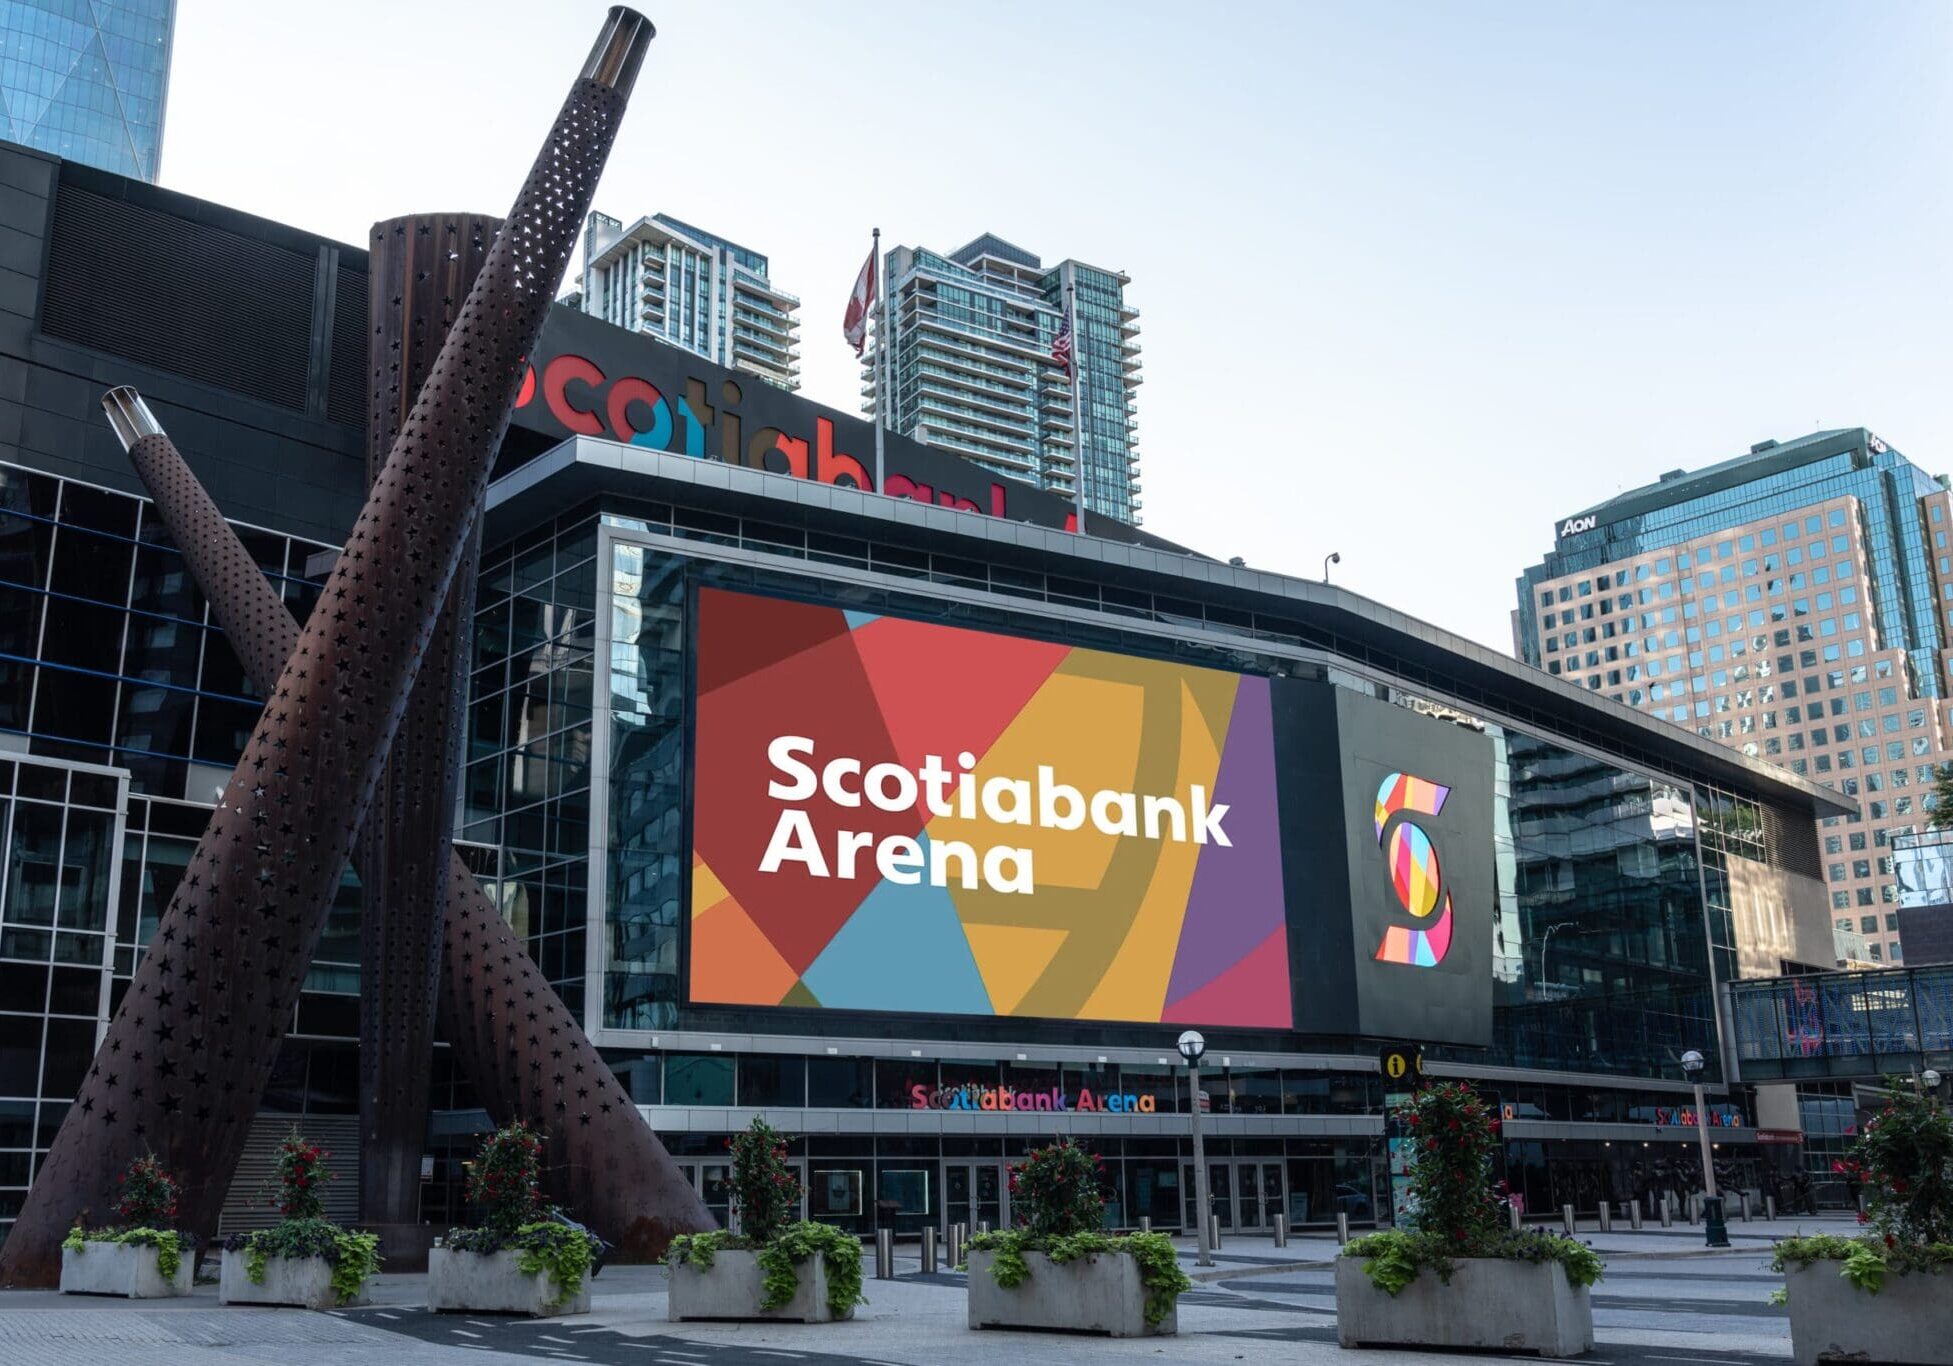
{"x":767,"y":1193}
{"x":1058,"y":1202}
{"x":1903,"y":1160}
{"x":305,"y":1232}
{"x":504,"y":1182}
{"x":1455,"y":1210}
{"x":145,"y":1207}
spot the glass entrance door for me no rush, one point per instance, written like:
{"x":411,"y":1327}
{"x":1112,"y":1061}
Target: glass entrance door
{"x":713,"y":1182}
{"x":1220,"y":1193}
{"x":1241,"y":1195}
{"x":975,"y":1193}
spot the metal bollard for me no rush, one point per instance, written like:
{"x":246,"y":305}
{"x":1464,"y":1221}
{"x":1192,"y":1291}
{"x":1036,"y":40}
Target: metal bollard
{"x":1770,"y":1209}
{"x":1606,"y":1217}
{"x":1668,"y":1211}
{"x":983,"y":1226}
{"x":1281,"y":1230}
{"x":1744,"y":1197}
{"x":1512,"y":1215}
{"x":1634,"y":1215}
{"x":1213,"y":1233}
{"x":1567,"y":1219}
{"x":1145,"y":1223}
{"x":929,"y":1252}
{"x":1342,"y":1227}
{"x":1861,"y":1202}
{"x":958,"y":1235}
{"x":884,"y":1254}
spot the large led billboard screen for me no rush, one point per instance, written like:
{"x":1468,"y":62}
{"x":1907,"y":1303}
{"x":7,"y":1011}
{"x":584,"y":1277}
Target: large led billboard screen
{"x":905,"y":816}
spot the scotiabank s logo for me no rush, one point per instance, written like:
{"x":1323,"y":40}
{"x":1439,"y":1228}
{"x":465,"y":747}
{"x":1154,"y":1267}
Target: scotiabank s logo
{"x":1414,"y":870}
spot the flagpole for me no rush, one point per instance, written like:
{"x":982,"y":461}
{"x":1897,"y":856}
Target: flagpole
{"x":881,"y":362}
{"x":1077,"y":405}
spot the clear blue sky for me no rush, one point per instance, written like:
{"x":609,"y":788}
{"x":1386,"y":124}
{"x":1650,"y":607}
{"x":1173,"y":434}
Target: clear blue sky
{"x":1416,"y":279}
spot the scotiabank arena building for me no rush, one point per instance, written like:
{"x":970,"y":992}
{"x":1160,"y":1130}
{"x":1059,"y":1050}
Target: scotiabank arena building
{"x":913,"y":819}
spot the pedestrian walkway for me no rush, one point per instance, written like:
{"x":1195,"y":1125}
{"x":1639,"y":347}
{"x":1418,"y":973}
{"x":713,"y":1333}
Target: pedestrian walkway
{"x":1665,"y":1298}
{"x":1256,"y":1253}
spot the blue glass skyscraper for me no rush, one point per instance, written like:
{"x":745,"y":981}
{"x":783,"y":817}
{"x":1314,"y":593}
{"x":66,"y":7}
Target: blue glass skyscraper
{"x":87,"y":79}
{"x":1795,"y":603}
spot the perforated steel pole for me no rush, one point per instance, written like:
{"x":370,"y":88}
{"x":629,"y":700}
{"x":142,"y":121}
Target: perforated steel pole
{"x":187,"y":1055}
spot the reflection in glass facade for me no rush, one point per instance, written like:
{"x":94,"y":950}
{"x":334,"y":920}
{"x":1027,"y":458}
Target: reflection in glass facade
{"x":87,"y":79}
{"x":526,"y":788}
{"x":110,"y":665}
{"x":1602,"y":951}
{"x":1768,"y":484}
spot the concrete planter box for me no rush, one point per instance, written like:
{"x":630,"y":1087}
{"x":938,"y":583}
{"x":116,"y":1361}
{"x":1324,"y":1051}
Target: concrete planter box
{"x":1909,"y":1320}
{"x":1102,"y":1294}
{"x":305,"y":1282}
{"x":492,"y":1283}
{"x":1490,"y":1303}
{"x":731,"y":1287}
{"x":123,"y":1269}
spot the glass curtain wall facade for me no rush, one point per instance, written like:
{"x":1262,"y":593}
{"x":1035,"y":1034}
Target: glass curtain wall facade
{"x":973,"y":372}
{"x":1796,"y":604}
{"x":122,"y":710}
{"x":1604,"y":932}
{"x":1613,"y":923}
{"x":87,"y":79}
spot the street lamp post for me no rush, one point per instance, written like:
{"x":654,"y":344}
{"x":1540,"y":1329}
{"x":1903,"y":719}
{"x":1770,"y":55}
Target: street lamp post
{"x":1192,"y":1045}
{"x":1716,"y":1232}
{"x":1335,"y":557}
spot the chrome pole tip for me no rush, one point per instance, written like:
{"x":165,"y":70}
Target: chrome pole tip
{"x":619,"y":50}
{"x":129,"y":415}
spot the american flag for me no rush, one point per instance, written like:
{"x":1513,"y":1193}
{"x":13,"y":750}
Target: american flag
{"x":1061,"y":347}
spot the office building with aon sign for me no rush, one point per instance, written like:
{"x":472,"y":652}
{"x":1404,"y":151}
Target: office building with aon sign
{"x":1795,"y":604}
{"x":905,"y":816}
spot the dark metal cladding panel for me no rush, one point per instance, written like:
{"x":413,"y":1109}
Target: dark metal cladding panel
{"x":186,"y":297}
{"x":189,"y":1051}
{"x":420,"y":269}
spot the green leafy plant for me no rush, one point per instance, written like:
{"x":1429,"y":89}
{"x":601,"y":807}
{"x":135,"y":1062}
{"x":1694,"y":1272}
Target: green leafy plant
{"x":169,"y":1244}
{"x":505,"y":1179}
{"x":1159,"y":1267}
{"x":565,"y":1253}
{"x":699,"y":1249}
{"x":1904,"y":1159}
{"x":1393,"y":1258}
{"x":840,"y":1255}
{"x":1455,"y":1210}
{"x":1055,"y":1191}
{"x":762,"y":1182}
{"x":1058,"y":1199}
{"x":544,"y":1245}
{"x":778,"y":1258}
{"x":353,"y":1257}
{"x":302,"y":1178}
{"x":148,"y":1194}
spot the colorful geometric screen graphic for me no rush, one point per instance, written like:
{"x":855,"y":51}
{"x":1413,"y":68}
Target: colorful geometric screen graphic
{"x":1414,"y":870}
{"x":892,"y":815}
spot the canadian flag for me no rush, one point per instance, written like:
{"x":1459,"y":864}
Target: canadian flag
{"x":855,"y":325}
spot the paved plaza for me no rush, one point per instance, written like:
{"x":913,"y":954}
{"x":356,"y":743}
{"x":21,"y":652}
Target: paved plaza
{"x":1666,"y":1301}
